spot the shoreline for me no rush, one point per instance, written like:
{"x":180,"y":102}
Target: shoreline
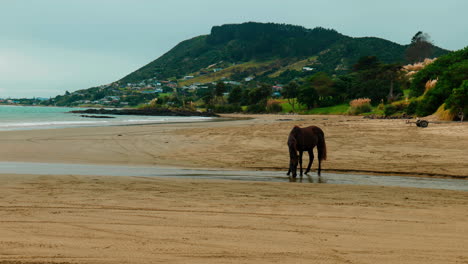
{"x":94,"y":123}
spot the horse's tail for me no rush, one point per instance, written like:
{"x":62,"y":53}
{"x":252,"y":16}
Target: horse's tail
{"x":322,"y":147}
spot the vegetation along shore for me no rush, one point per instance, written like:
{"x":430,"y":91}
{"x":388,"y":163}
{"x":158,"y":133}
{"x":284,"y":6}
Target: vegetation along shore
{"x":316,"y":71}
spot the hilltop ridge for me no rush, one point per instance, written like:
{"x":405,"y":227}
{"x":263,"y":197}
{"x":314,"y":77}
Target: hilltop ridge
{"x":233,"y":44}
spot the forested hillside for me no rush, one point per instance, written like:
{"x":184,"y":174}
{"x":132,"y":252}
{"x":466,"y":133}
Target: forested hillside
{"x":240,"y":43}
{"x":257,"y":67}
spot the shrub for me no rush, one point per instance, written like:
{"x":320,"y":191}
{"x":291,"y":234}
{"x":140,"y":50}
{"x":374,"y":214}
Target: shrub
{"x":274,"y":107}
{"x":229,"y":108}
{"x":390,"y":109}
{"x":400,"y":106}
{"x":431,"y":102}
{"x":458,"y":100}
{"x":411,"y":109}
{"x":256,"y":108}
{"x":359,"y":106}
{"x":381,"y":106}
{"x":430,"y":85}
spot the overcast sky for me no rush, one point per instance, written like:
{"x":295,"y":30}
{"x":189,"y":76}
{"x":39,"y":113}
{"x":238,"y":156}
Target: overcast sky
{"x":50,"y":46}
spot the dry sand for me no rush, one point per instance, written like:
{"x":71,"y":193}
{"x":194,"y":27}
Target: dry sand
{"x":83,"y":219}
{"x":146,"y":220}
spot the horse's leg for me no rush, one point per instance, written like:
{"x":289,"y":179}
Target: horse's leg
{"x":319,"y":167}
{"x":300,"y":161}
{"x":311,"y":160}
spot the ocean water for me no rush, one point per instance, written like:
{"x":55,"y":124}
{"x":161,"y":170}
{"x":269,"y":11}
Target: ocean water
{"x":32,"y":117}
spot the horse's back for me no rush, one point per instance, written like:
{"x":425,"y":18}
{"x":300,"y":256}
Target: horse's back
{"x":313,"y":130}
{"x":306,"y":131}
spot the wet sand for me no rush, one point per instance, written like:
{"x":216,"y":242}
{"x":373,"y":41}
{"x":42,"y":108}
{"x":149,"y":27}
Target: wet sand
{"x":235,"y":175}
{"x":85,"y":219}
{"x":99,"y":219}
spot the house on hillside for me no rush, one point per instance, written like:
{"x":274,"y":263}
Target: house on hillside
{"x":277,"y":88}
{"x":232,"y":82}
{"x":248,"y":79}
{"x":112,"y":99}
{"x":172,"y":84}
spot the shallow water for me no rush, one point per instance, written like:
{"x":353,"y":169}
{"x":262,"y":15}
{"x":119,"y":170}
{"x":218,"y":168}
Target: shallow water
{"x":34,"y":117}
{"x":265,"y":176}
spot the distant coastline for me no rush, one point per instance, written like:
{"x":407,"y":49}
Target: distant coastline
{"x":145,"y":112}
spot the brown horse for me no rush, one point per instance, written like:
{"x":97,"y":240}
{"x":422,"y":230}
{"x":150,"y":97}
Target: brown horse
{"x":305,"y":139}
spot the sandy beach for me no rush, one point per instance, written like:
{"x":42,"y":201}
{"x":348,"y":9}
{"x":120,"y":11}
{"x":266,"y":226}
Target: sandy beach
{"x":86,"y":219}
{"x":353,"y":143}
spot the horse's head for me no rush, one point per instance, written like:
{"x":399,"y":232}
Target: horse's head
{"x":293,"y":162}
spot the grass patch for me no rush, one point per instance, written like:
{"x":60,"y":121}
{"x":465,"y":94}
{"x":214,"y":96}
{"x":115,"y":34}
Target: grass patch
{"x":331,"y":110}
{"x":375,"y":111}
{"x":406,"y":93}
{"x":257,"y":67}
{"x":287,"y":108}
{"x":296,"y":66}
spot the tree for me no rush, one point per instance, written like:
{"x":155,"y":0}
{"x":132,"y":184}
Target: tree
{"x":458,"y":100}
{"x":308,"y":96}
{"x":208,"y":99}
{"x":366,"y":63}
{"x":235,"y":96}
{"x":291,"y":92}
{"x":420,"y":48}
{"x":392,"y":73}
{"x":220,"y":89}
{"x":323,"y":84}
{"x":259,"y":94}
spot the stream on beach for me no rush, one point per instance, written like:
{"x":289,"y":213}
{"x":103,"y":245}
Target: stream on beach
{"x":264,"y":176}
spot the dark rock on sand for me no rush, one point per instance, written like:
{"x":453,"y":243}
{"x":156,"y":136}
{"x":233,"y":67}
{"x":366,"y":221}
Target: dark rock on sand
{"x":97,"y":116}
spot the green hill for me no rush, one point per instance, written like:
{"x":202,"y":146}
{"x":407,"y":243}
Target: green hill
{"x":234,"y":44}
{"x":246,"y":55}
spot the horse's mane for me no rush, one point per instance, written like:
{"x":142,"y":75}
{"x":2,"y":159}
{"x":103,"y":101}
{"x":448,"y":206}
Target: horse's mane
{"x":296,"y":131}
{"x":292,"y":140}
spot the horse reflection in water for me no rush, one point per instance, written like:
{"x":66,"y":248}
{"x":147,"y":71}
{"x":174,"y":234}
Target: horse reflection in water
{"x":305,"y":139}
{"x":310,"y":179}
